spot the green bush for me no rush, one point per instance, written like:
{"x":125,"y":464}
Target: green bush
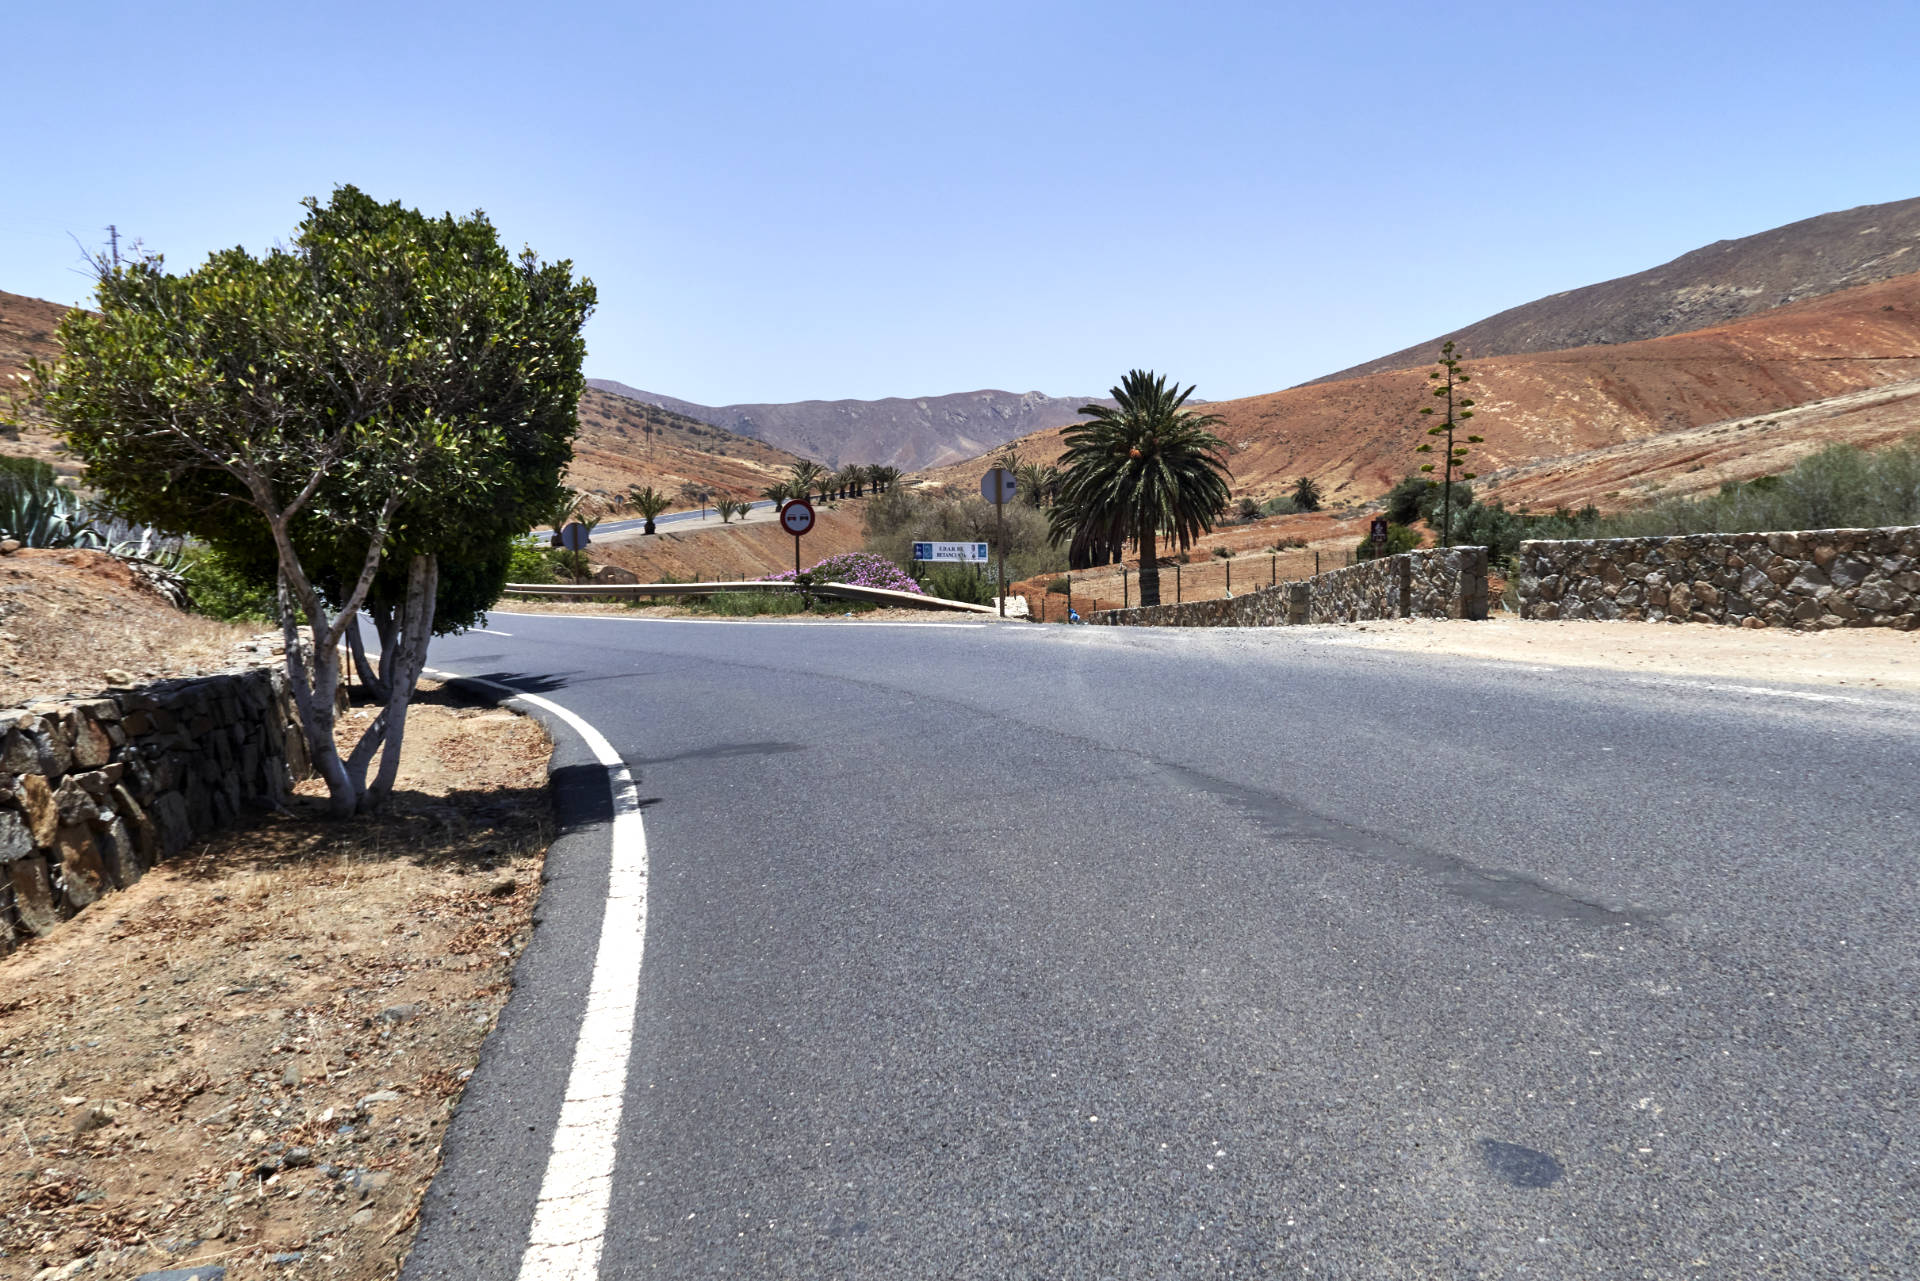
{"x":747,"y":604}
{"x":226,"y":587}
{"x":530,"y":563}
{"x":1399,"y":539}
{"x":958,"y":582}
{"x":898,"y":518}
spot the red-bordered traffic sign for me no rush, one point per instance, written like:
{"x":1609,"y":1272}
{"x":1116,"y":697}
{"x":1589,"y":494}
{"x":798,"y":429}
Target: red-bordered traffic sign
{"x":797,"y":516}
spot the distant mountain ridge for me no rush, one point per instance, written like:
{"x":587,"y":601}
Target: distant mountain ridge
{"x":1710,"y":286}
{"x":906,"y":433}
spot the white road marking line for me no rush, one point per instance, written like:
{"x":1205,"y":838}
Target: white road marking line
{"x":570,"y":1219}
{"x":726,"y":622}
{"x":1715,"y":687}
{"x":490,"y":632}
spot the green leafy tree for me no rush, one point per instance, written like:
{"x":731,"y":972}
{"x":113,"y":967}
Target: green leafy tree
{"x":1306,"y":495}
{"x":1142,"y":468}
{"x":378,"y":411}
{"x":649,"y":502}
{"x":1449,"y":378}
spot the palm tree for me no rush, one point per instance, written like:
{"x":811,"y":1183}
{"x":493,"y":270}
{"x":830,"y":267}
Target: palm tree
{"x":805,"y":477}
{"x":846,"y":481}
{"x":777,"y":493}
{"x":1141,"y":468}
{"x":564,"y":507}
{"x":1306,"y":494}
{"x":883,"y":477}
{"x":649,"y":502}
{"x":1032,"y":479}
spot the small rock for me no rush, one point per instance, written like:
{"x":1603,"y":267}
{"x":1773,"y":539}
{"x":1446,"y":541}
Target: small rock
{"x":366,"y":1182}
{"x":361,"y":1218}
{"x":297,"y":1158}
{"x":120,"y":678}
{"x":291,"y":1257}
{"x":94,"y":1118}
{"x":379,"y":1096}
{"x":292,"y":1076}
{"x":205,"y":1272}
{"x":503,"y":886}
{"x":8,"y":546}
{"x":399,"y":1014}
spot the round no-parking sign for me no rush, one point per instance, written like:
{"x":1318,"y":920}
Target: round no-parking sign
{"x":797,"y":517}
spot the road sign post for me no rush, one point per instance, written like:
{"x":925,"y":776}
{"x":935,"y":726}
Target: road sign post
{"x":1378,"y":533}
{"x":797,"y":518}
{"x":997,"y":487}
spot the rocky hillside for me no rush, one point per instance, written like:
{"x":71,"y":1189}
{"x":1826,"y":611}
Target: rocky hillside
{"x":1356,"y":436}
{"x":1723,"y":282}
{"x":623,"y":443}
{"x":908,"y":434}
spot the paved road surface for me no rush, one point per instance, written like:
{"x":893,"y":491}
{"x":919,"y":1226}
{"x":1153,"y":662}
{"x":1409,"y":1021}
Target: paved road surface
{"x":985,"y":951}
{"x":670,"y":518}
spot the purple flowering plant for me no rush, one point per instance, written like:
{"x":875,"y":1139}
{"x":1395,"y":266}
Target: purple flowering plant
{"x":856,"y":569}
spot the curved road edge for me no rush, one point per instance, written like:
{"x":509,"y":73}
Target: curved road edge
{"x":508,"y":1202}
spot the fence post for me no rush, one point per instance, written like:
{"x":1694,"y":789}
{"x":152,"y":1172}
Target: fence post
{"x":1273,"y":568}
{"x":1316,"y":562}
{"x":1176,"y":582}
{"x":1229,"y":578}
{"x":1069,"y":617}
{"x":1405,"y":575}
{"x":1124,"y":598}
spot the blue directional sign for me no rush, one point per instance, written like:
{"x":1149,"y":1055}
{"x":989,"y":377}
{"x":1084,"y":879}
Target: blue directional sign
{"x":963,"y":553}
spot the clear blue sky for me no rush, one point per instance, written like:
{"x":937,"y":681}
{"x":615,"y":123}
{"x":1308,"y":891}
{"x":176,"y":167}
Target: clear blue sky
{"x":832,"y":199}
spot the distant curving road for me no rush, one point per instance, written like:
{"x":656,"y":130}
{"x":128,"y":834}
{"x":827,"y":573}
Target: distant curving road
{"x":990,"y":951}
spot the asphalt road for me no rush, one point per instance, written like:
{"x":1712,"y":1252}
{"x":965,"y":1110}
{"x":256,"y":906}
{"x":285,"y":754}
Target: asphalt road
{"x":670,"y":518}
{"x":1012,"y":951}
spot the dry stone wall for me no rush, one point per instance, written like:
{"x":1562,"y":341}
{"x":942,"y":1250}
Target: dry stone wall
{"x":95,"y":791}
{"x":1440,"y":583}
{"x":1807,"y":579}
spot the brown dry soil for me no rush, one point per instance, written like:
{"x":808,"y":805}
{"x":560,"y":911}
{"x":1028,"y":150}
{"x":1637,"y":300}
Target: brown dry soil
{"x":80,"y":620}
{"x":1356,"y":436}
{"x":252,"y":1054}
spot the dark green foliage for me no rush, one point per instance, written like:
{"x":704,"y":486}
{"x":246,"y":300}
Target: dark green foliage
{"x":1306,"y":495}
{"x":1400,"y":538}
{"x":1141,"y":469}
{"x":1406,"y":501}
{"x":227,"y":586}
{"x":958,"y":582}
{"x":38,"y":512}
{"x":1450,"y":379}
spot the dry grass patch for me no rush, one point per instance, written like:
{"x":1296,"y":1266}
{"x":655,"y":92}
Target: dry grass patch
{"x":252,"y":1054}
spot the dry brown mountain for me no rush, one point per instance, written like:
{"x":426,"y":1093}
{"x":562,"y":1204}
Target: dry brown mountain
{"x":621,"y":443}
{"x":1356,"y":437}
{"x":1711,"y":286}
{"x":908,"y":434}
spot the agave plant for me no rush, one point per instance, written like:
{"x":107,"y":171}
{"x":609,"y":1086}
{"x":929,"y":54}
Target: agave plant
{"x":46,"y":515}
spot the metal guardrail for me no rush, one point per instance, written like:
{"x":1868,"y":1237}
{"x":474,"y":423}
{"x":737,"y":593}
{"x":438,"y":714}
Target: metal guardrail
{"x":837,"y":591}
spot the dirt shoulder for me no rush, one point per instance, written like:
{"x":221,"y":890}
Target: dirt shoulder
{"x":250,"y":1057}
{"x":1867,"y":657}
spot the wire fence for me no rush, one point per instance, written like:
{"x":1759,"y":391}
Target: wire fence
{"x":1118,"y":586}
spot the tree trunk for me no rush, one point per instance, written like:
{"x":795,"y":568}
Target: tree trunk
{"x":649,"y":528}
{"x":374,"y":681}
{"x":315,"y":680}
{"x":409,"y":650}
{"x":1149,"y":568}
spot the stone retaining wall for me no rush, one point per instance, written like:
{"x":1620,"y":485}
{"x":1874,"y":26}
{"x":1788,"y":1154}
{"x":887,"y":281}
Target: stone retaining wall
{"x":1439,"y":583}
{"x":94,"y":791}
{"x":1806,"y":579}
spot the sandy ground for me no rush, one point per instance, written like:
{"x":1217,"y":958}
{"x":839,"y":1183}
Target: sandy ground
{"x":1869,"y":657}
{"x":249,"y":1057}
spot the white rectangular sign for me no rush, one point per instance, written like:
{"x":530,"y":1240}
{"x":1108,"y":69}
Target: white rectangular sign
{"x":965,"y":553}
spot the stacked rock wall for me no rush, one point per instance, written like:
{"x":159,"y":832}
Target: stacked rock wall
{"x":1806,"y":579}
{"x":94,"y":791}
{"x":1441,"y":583}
